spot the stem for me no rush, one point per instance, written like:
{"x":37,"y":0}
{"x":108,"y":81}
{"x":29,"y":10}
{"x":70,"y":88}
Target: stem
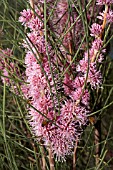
{"x":103,"y":27}
{"x":31,"y":3}
{"x":85,"y":24}
{"x":74,"y":155}
{"x":105,"y":17}
{"x":51,"y":159}
{"x":43,"y":159}
{"x":97,"y":148}
{"x":97,"y":133}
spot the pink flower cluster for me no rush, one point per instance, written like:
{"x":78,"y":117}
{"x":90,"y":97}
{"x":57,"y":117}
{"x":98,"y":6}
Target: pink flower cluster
{"x":61,"y":120}
{"x":60,"y":105}
{"x":6,"y":66}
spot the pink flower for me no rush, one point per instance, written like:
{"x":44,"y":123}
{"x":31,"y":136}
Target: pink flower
{"x":80,"y":94}
{"x":47,"y":1}
{"x":35,"y":40}
{"x":78,"y":82}
{"x":5,"y":79}
{"x":103,"y":2}
{"x":94,"y":76}
{"x":7,"y":52}
{"x":8,"y":68}
{"x":26,"y":16}
{"x":68,"y":86}
{"x":97,"y":44}
{"x":96,"y":30}
{"x":109,"y":16}
{"x":82,"y":66}
{"x":30,"y":58}
{"x":25,"y":90}
{"x":35,"y":24}
{"x":63,"y":138}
